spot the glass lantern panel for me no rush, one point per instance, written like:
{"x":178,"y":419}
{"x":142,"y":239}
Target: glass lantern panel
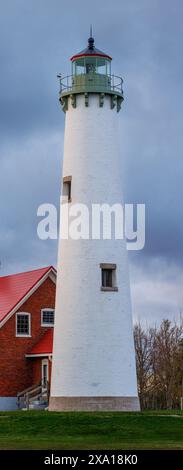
{"x":90,"y":63}
{"x":108,"y":64}
{"x":79,"y":67}
{"x":103,"y":66}
{"x":73,"y":68}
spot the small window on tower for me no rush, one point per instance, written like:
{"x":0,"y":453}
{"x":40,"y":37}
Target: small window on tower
{"x":67,"y":187}
{"x":108,"y":277}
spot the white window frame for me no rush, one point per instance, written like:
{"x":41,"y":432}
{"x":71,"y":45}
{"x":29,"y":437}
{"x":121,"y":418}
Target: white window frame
{"x":23,"y":335}
{"x":51,"y":325}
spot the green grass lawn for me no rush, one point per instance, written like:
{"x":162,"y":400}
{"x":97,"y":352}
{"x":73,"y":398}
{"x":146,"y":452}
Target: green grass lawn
{"x":102,"y":430}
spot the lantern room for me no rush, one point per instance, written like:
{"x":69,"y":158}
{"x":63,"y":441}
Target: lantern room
{"x":91,"y":68}
{"x":91,"y":73}
{"x":91,"y":64}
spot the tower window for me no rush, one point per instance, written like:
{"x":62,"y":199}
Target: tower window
{"x":67,"y":187}
{"x":108,"y":277}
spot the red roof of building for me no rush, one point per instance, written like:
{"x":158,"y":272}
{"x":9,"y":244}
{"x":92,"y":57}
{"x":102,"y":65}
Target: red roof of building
{"x":44,"y":345}
{"x":15,"y":287}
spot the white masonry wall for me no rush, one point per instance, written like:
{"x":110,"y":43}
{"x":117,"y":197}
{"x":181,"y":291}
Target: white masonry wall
{"x":93,"y":340}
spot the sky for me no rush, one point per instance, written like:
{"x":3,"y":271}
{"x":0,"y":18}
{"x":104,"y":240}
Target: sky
{"x":144,"y":38}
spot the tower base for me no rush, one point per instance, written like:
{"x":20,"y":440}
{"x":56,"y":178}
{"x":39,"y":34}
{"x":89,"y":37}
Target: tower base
{"x":94,"y":404}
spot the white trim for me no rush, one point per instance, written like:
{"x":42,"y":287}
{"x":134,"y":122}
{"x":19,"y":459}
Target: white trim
{"x":39,"y":355}
{"x":46,"y":325}
{"x":51,"y":274}
{"x":23,"y":335}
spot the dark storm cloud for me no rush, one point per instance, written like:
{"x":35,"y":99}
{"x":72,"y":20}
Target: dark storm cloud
{"x":145,"y":39}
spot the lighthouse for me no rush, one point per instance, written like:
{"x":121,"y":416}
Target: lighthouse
{"x":93,"y":365}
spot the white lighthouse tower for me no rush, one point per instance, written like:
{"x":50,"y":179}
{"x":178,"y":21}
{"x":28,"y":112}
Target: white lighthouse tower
{"x":93,"y":356}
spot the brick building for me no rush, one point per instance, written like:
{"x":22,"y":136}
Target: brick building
{"x":27,"y":302}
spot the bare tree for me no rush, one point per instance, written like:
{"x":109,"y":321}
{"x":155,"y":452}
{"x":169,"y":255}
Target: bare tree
{"x":159,"y":358}
{"x":142,"y":349}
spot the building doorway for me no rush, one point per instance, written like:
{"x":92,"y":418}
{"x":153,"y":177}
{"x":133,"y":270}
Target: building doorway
{"x":44,"y":373}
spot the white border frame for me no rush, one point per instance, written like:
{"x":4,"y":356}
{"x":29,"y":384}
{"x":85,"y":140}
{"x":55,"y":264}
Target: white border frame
{"x":46,"y":325}
{"x":23,"y":335}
